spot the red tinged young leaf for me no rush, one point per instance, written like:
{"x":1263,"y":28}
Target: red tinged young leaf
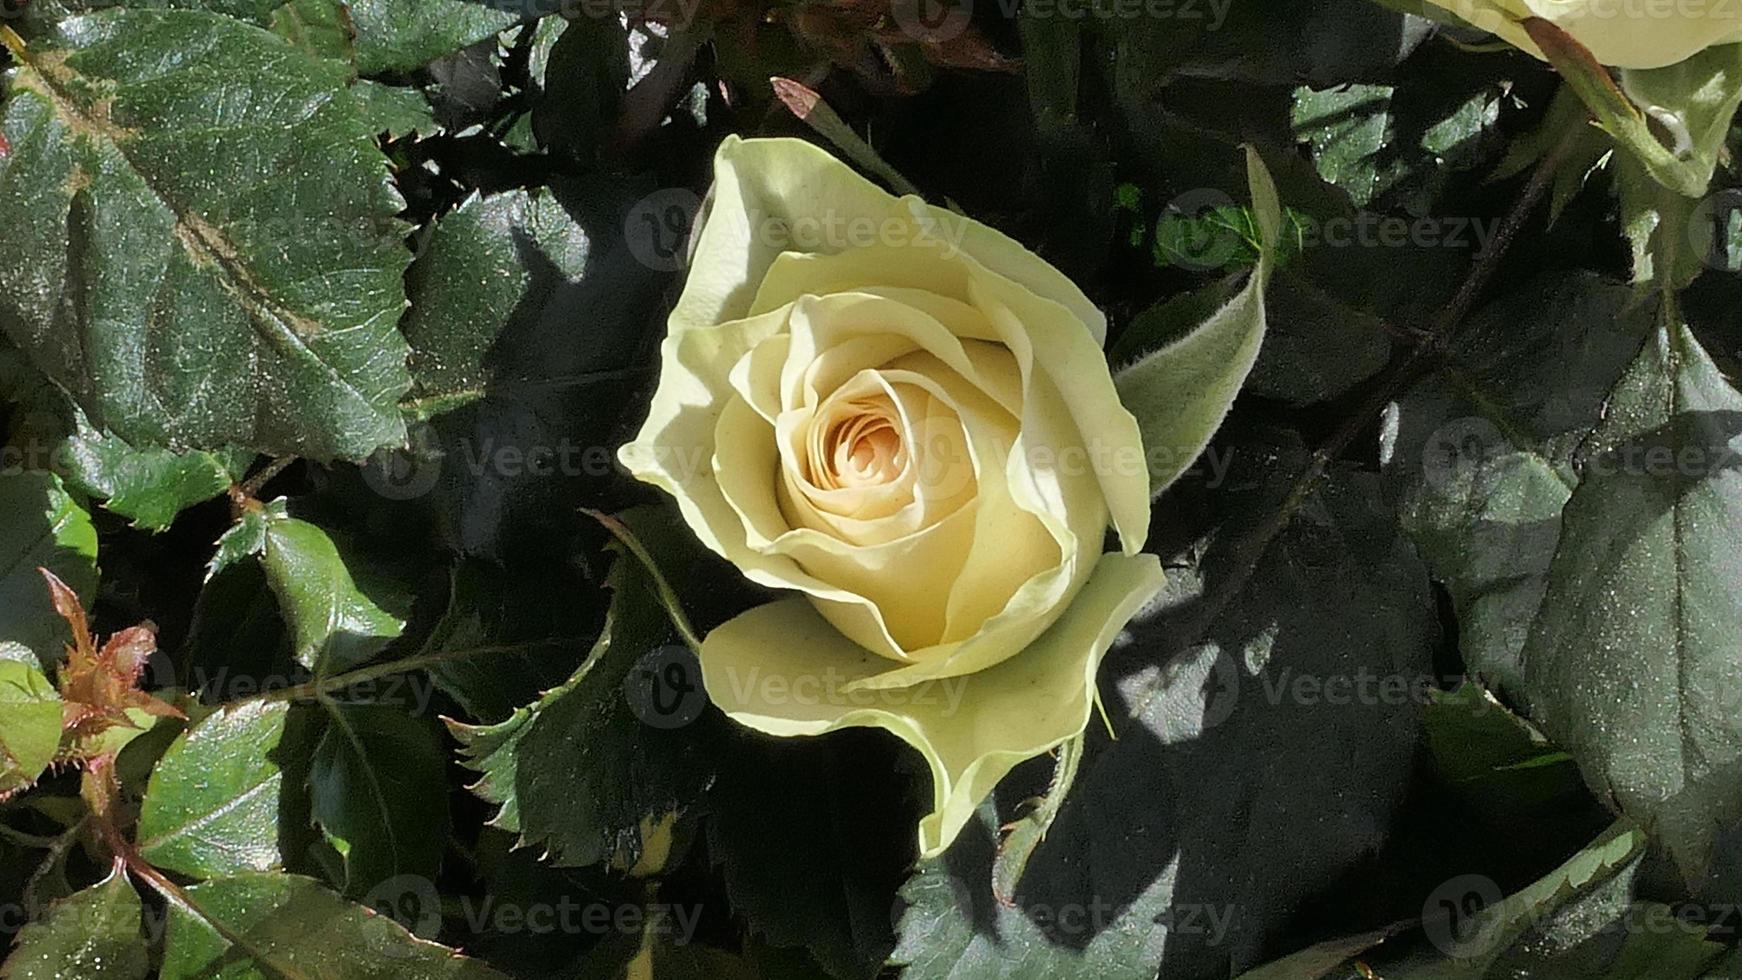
{"x":99,"y":686}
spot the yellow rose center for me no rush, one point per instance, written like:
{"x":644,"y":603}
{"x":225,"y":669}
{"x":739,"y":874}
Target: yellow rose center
{"x":865,"y":450}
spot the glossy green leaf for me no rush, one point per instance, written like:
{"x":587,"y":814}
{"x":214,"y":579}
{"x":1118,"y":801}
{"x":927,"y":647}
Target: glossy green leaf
{"x":336,"y":624}
{"x":1383,"y":141}
{"x":236,"y":193}
{"x":378,"y":790}
{"x":252,"y":11}
{"x":404,"y":35}
{"x":394,"y":110}
{"x":41,"y":526}
{"x":320,"y":27}
{"x":471,"y":281}
{"x":90,"y":935}
{"x":149,"y":486}
{"x":213,"y":803}
{"x":1632,"y":664}
{"x":1348,"y":129}
{"x":30,"y":722}
{"x":266,"y":926}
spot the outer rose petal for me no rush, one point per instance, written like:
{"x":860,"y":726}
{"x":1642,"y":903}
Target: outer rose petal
{"x":789,"y":180}
{"x":1614,"y":36}
{"x":772,"y":667}
{"x":675,"y":452}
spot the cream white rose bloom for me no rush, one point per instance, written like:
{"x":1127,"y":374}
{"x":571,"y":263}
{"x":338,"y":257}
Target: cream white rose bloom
{"x":1620,"y":33}
{"x":905,"y":419}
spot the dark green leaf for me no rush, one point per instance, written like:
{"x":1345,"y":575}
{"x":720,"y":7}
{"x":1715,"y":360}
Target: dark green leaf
{"x":1482,"y":452}
{"x":583,"y":81}
{"x":378,"y":787}
{"x":213,"y":804}
{"x":817,"y":872}
{"x":530,"y":312}
{"x":41,"y":525}
{"x":492,"y":261}
{"x":394,"y":110}
{"x":1316,"y":347}
{"x":1632,"y":664}
{"x":321,"y":28}
{"x":1348,"y":128}
{"x":1372,"y":140}
{"x":1175,"y":853}
{"x":91,"y":935}
{"x":577,"y":771}
{"x":336,"y":625}
{"x":266,"y":926}
{"x":235,"y":192}
{"x":521,"y":628}
{"x":1581,"y":921}
{"x":148,"y":486}
{"x":404,"y":35}
{"x":1503,"y":769}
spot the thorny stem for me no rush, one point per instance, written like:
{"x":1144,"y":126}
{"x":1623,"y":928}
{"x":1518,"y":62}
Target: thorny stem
{"x":320,"y":687}
{"x":256,"y":483}
{"x":667,"y":595}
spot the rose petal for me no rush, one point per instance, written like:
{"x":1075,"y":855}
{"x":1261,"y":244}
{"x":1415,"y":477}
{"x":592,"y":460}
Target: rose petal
{"x":1078,"y":370}
{"x":765,"y":186}
{"x":676,"y":448}
{"x":781,"y":668}
{"x":1614,"y":36}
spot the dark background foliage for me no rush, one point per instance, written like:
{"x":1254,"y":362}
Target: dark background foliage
{"x":436,"y":659}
